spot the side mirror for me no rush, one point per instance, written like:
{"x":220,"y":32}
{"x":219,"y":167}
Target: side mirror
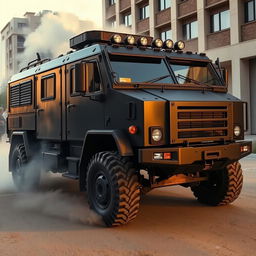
{"x":80,"y":78}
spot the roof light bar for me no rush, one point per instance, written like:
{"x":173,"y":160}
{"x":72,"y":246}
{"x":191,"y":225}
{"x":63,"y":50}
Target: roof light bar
{"x":180,"y":45}
{"x":158,"y":43}
{"x":130,"y":40}
{"x":142,"y":41}
{"x":97,"y":36}
{"x":168,"y":44}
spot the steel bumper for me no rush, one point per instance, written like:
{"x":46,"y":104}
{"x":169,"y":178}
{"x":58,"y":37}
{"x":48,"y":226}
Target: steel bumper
{"x":189,"y":155}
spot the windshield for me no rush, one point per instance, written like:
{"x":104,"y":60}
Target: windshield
{"x":136,"y":69}
{"x":194,"y":72}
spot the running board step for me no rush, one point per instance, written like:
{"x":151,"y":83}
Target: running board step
{"x":70,"y":176}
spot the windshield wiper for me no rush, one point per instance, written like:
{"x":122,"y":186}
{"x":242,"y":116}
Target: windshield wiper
{"x":186,"y":78}
{"x":157,"y":79}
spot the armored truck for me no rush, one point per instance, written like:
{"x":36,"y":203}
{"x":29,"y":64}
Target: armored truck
{"x":124,"y":114}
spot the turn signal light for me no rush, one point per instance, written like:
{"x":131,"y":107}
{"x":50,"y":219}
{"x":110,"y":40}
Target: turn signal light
{"x":167,"y":156}
{"x":133,"y":129}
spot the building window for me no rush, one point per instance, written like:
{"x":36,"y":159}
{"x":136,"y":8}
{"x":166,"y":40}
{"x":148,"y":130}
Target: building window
{"x":144,"y":12}
{"x":250,"y":11}
{"x":190,"y":30}
{"x":111,"y":2}
{"x":220,"y":21}
{"x":164,"y":4}
{"x":167,"y":34}
{"x":22,"y":25}
{"x":20,"y":41}
{"x":112,"y":23}
{"x":128,"y":20}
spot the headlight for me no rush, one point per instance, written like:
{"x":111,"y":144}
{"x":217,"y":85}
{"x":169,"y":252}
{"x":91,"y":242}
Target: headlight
{"x":156,"y":135}
{"x":237,"y":130}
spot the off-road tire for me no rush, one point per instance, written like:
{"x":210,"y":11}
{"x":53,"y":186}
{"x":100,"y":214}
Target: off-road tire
{"x":109,"y":172}
{"x":223,"y":186}
{"x":25,"y":178}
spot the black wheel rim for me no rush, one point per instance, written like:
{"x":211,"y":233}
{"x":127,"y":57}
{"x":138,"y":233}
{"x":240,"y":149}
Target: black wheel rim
{"x":101,"y":191}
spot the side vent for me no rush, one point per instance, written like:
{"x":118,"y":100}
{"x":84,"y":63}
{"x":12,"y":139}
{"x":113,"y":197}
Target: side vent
{"x":21,"y":94}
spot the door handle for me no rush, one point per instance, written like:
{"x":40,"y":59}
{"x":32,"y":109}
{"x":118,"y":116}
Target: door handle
{"x":69,"y":106}
{"x":39,"y":110}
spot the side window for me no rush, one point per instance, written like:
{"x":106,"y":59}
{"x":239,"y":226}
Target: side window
{"x":93,"y":77}
{"x":48,"y":87}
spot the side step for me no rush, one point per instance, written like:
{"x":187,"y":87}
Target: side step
{"x":72,"y":173}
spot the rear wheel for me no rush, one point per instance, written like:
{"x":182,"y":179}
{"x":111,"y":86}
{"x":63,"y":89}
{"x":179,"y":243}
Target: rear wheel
{"x":113,"y":188}
{"x":25,"y":176}
{"x":223,"y":186}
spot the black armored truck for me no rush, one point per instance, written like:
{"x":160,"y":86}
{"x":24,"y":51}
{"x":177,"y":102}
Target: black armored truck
{"x":124,"y":114}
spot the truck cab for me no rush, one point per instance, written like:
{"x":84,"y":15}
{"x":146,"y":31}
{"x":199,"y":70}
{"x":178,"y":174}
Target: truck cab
{"x":124,"y":114}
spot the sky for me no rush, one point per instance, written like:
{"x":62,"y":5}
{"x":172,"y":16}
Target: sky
{"x":84,"y":9}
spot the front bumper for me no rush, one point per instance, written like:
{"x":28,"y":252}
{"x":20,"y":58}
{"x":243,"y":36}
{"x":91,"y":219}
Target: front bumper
{"x":190,"y":155}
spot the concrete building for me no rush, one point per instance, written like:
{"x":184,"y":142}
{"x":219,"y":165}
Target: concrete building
{"x":12,"y":41}
{"x":221,"y":28}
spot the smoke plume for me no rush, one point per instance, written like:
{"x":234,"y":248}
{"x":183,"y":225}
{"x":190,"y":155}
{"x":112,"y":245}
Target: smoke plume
{"x":51,"y":38}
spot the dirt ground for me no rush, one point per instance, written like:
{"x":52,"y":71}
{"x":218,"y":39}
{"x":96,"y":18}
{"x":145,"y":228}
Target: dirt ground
{"x":171,"y":222}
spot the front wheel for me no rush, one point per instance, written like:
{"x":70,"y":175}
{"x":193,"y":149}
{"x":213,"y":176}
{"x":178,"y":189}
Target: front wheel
{"x":113,"y":188}
{"x":223,"y":186}
{"x":25,"y":175}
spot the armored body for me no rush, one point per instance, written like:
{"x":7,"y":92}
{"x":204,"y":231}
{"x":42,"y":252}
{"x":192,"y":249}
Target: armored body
{"x":124,"y":114}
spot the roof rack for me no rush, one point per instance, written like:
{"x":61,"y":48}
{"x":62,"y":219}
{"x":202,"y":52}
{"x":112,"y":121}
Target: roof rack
{"x":36,"y":62}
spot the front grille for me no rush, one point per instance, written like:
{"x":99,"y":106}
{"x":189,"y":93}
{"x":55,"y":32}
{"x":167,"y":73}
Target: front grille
{"x":196,"y":122}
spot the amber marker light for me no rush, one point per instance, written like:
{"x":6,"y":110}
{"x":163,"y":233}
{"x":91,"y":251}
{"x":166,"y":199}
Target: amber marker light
{"x":133,"y":129}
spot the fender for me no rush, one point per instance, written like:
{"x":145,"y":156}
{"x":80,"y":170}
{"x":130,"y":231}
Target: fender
{"x":121,"y":143}
{"x":23,"y":136}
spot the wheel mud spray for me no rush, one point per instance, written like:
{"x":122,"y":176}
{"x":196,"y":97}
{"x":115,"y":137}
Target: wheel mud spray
{"x":46,"y":200}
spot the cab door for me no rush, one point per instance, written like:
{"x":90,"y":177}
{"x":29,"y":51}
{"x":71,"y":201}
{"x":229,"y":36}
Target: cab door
{"x":83,"y":112}
{"x":49,"y":105}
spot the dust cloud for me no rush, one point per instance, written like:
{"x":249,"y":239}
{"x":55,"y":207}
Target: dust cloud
{"x":6,"y":184}
{"x":58,"y":204}
{"x":48,"y":202}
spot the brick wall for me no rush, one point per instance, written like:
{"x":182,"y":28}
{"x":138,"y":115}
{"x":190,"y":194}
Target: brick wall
{"x":218,"y":39}
{"x":163,"y":17}
{"x":143,"y":25}
{"x":248,"y":31}
{"x":191,"y":45}
{"x":186,"y":7}
{"x":124,"y":4}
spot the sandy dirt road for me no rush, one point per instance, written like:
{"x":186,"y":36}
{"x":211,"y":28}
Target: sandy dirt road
{"x":171,"y":222}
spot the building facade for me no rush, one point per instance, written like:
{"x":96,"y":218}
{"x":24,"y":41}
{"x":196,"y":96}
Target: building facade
{"x":221,"y":28}
{"x":12,"y":41}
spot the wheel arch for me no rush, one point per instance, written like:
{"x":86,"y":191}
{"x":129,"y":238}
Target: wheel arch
{"x":102,"y":140}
